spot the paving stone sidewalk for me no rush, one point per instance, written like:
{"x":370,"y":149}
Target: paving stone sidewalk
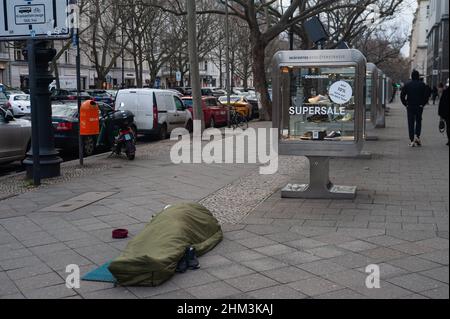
{"x":290,"y":249}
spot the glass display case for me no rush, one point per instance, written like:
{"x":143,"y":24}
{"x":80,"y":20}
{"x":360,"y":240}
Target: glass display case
{"x":381,"y":105}
{"x":371,"y":93}
{"x":319,"y":109}
{"x":319,"y":104}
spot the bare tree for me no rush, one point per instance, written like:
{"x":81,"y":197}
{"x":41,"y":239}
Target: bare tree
{"x":65,"y":45}
{"x":208,"y":28}
{"x":160,"y":41}
{"x":241,"y":51}
{"x":266,"y":21}
{"x":101,"y":44}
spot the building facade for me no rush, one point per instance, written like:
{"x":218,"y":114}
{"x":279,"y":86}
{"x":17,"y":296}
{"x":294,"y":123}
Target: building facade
{"x":4,"y":64}
{"x":14,"y":70}
{"x":437,"y":57}
{"x":419,"y":43}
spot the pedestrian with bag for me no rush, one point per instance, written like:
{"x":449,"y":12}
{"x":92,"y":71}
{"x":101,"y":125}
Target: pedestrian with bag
{"x":444,"y":113}
{"x":415,"y":95}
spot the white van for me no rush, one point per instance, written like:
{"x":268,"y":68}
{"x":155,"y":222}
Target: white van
{"x":157,"y":112}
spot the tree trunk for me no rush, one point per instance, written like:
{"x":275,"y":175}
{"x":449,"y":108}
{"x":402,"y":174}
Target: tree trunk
{"x":245,"y":81}
{"x":101,"y":79}
{"x":260,"y":79}
{"x":220,"y":68}
{"x":56,"y":70}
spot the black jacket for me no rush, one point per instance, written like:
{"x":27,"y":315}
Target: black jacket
{"x":415,"y":93}
{"x":444,"y":107}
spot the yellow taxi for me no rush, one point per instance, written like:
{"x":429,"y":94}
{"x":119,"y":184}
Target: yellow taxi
{"x":239,"y":103}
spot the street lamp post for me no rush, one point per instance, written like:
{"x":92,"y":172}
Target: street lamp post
{"x":291,"y":36}
{"x":227,"y":62}
{"x":123,"y":56}
{"x":78,"y":67}
{"x":194,"y":63}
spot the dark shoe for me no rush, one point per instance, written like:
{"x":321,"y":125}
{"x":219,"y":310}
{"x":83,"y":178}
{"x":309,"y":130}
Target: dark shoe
{"x":182,"y":266}
{"x":191,"y":257}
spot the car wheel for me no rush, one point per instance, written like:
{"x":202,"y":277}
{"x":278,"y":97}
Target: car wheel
{"x":190,"y":126}
{"x":163,"y":132}
{"x":89,"y":146}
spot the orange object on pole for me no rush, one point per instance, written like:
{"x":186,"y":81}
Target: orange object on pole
{"x":89,"y":119}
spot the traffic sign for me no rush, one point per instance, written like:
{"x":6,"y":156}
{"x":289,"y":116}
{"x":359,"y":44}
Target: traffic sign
{"x":36,"y":19}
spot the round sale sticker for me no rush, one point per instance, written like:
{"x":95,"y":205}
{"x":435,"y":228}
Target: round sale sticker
{"x":341,"y":92}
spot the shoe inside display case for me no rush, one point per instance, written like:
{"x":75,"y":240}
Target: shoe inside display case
{"x":321,"y":105}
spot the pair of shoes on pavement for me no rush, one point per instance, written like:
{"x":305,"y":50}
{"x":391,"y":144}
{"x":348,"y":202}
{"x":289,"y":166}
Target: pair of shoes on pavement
{"x":416,"y":143}
{"x":189,"y":261}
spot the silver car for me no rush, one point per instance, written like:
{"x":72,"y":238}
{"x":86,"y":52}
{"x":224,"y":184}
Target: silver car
{"x":15,"y":135}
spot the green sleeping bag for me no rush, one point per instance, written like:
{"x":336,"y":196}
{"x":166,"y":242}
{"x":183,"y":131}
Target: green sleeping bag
{"x":151,"y":258}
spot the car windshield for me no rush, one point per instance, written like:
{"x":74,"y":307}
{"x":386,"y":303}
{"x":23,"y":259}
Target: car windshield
{"x":188,"y":102}
{"x":211,"y":102}
{"x":65,"y":110}
{"x":22,"y":98}
{"x":233,"y":99}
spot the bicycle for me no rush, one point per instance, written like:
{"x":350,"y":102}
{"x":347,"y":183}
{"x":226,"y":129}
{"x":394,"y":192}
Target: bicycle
{"x":238,"y":120}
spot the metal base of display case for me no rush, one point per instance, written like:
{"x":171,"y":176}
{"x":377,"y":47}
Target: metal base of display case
{"x":320,"y":186}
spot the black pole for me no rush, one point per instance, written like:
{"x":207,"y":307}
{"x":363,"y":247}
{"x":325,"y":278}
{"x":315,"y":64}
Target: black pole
{"x":123,"y":56}
{"x":80,"y":138}
{"x":31,"y":55}
{"x":43,"y":152}
{"x":291,"y":36}
{"x":227,"y":62}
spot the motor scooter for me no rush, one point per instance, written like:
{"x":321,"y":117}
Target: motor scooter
{"x":117,"y":131}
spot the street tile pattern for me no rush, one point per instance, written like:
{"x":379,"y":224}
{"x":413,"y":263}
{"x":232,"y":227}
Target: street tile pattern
{"x":294,"y":249}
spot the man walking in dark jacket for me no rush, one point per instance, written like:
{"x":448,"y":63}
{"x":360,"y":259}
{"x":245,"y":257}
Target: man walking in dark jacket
{"x":444,"y":111}
{"x":415,"y":96}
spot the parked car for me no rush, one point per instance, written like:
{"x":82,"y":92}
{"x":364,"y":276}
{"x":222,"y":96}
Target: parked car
{"x":182,"y":90}
{"x":214,"y":112}
{"x":19,"y":104}
{"x":66,"y":126}
{"x":178,"y":93}
{"x":240,"y":103}
{"x":157,"y":112}
{"x":207,"y":92}
{"x":101,"y":96}
{"x":243,"y":92}
{"x":254,"y":102}
{"x":112,"y":94}
{"x":15,"y":136}
{"x":69,"y":95}
{"x":9,"y":92}
{"x":3,"y":99}
{"x":219,"y":92}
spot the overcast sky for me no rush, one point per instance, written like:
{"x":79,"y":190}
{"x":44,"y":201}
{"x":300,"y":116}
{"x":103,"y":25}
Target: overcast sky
{"x":402,"y":24}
